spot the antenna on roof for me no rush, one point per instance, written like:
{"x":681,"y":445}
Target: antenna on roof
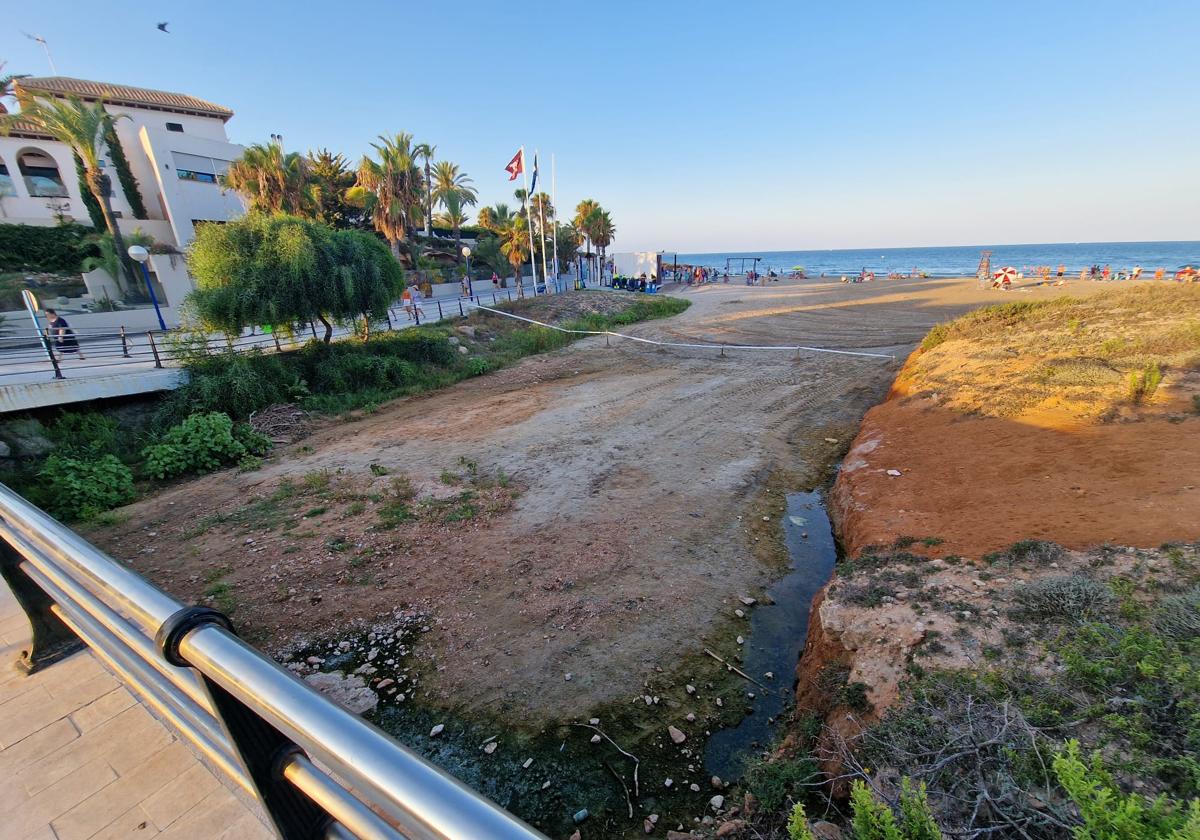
{"x":45,"y":47}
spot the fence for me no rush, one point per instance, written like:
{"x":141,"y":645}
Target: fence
{"x":317,"y":770}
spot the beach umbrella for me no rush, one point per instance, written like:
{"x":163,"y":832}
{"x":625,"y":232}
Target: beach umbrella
{"x":1187,"y":273}
{"x":1006,"y":274}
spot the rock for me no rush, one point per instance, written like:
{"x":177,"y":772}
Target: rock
{"x":594,"y":721}
{"x":748,"y":602}
{"x":384,"y":683}
{"x":349,"y":691}
{"x":453,"y":340}
{"x":649,"y":700}
{"x":466,"y":330}
{"x":653,"y":818}
{"x":717,"y":802}
{"x":314,"y":660}
{"x":489,"y":747}
{"x":463,"y":350}
{"x":766,"y":519}
{"x":769,"y":675}
{"x":575,"y":836}
{"x":691,"y":689}
{"x":596,"y":739}
{"x":437,"y":730}
{"x":694,"y":788}
{"x":679,"y":835}
{"x":668,"y":782}
{"x":691,"y":717}
{"x":580,"y":816}
{"x":716,"y":782}
{"x":5,"y":450}
{"x":26,"y":438}
{"x":831,"y":440}
{"x":740,"y":613}
{"x":740,"y":640}
{"x":720,"y":702}
{"x":823,"y":830}
{"x":894,"y":473}
{"x":567,"y":676}
{"x":730,"y":828}
{"x":527,"y":763}
{"x":676,"y":735}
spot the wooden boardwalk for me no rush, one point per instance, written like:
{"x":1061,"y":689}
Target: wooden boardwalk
{"x":81,"y":758}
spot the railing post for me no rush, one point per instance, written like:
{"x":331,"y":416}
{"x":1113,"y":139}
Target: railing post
{"x":461,"y":314}
{"x":387,"y":313}
{"x":441,"y":317}
{"x":264,"y":750}
{"x":417,"y":314}
{"x":124,"y":343}
{"x":58,"y":374}
{"x":52,"y":640}
{"x":275,"y":336}
{"x":154,"y":348}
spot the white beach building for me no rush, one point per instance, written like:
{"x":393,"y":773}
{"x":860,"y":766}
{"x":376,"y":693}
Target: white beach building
{"x":175,"y":144}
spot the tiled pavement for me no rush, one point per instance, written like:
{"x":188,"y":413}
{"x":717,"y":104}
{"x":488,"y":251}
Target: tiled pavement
{"x":81,"y":758}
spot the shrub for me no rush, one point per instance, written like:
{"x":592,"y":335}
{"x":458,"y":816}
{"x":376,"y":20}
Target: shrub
{"x":1143,"y":383}
{"x":80,"y":488}
{"x":202,"y":443}
{"x":774,"y":782}
{"x":85,"y":433}
{"x":1178,"y":616}
{"x":60,"y":248}
{"x":235,"y":384}
{"x":1035,"y":551}
{"x":1063,"y":598}
{"x":797,"y":825}
{"x":938,"y":335}
{"x":1108,"y":814}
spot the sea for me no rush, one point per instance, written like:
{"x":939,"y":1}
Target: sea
{"x":959,"y":260}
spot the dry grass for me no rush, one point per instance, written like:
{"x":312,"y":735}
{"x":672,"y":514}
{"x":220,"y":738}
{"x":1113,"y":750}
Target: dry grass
{"x":1092,"y":357}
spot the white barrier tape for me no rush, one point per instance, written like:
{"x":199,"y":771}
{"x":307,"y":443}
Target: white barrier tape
{"x":788,"y":347}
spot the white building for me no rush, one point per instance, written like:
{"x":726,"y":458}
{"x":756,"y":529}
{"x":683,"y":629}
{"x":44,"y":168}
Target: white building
{"x":175,"y":144}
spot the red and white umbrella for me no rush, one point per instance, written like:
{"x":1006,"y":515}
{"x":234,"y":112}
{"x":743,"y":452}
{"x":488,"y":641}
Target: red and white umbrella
{"x":1006,"y":274}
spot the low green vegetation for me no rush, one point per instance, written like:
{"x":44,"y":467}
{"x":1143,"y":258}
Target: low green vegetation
{"x":201,"y":444}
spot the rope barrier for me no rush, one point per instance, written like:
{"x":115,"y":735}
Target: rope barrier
{"x":792,"y":348}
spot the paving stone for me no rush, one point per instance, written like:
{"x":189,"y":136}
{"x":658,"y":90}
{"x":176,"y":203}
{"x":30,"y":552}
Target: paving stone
{"x":102,"y":708}
{"x":172,"y":801}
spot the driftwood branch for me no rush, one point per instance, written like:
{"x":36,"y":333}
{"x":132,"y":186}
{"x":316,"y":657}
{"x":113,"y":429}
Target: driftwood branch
{"x":736,"y":670}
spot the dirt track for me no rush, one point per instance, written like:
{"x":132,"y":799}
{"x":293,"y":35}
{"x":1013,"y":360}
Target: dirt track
{"x":642,"y":475}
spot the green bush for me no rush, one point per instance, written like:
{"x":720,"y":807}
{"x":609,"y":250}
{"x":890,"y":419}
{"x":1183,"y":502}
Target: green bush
{"x":1109,"y":814}
{"x":201,"y":444}
{"x":1178,"y":616}
{"x":86,"y":433}
{"x":236,"y":384}
{"x":62,"y":248}
{"x":1066,"y":598}
{"x":81,"y":488}
{"x":874,"y":820}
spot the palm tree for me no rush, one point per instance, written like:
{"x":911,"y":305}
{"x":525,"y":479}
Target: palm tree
{"x":427,"y":151}
{"x":6,"y":83}
{"x":451,"y":185}
{"x":602,"y":233}
{"x":514,"y":244}
{"x":542,"y":210}
{"x":82,"y":127}
{"x":391,"y":188}
{"x":494,"y":218}
{"x":271,"y":180}
{"x":453,"y":216}
{"x":584,"y":221}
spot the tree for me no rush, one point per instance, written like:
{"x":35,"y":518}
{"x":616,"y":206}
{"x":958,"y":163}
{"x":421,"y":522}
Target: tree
{"x":542,"y":210}
{"x":602,"y":232}
{"x":568,"y":243}
{"x":454,"y":192}
{"x":514,"y":244}
{"x":427,"y":151}
{"x":282,"y":270}
{"x":487,"y":252}
{"x":6,"y":85}
{"x":272,"y":181}
{"x":586,"y":213}
{"x":329,"y":178}
{"x":494,"y":218}
{"x":108,"y":258}
{"x":80,"y":126}
{"x":390,"y":188}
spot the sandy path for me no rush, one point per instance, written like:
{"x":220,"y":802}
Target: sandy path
{"x":636,"y":464}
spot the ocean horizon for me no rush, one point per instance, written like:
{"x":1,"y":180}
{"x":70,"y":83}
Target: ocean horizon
{"x":958,"y":260}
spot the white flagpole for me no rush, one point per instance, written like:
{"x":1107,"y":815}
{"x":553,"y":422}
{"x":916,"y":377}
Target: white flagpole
{"x":542,"y":230}
{"x":529,"y":225}
{"x":554,"y":201}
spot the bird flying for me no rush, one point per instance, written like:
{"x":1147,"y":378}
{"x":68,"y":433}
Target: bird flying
{"x":163,"y":26}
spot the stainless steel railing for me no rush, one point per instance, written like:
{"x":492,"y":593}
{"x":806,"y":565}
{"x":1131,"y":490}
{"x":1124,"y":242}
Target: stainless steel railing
{"x":317,"y":770}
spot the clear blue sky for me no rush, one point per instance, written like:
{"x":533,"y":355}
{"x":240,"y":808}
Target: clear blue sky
{"x":713,"y":126}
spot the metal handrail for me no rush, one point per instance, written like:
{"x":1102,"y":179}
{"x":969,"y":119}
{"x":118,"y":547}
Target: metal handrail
{"x":317,"y":770}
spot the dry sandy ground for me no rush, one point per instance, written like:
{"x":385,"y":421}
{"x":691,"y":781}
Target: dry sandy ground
{"x":635,"y":467}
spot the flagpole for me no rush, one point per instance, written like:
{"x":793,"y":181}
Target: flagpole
{"x":529,"y":225}
{"x":541,"y":229}
{"x":554,"y":201}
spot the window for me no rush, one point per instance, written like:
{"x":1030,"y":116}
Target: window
{"x":41,"y":175}
{"x":175,"y":127}
{"x":7,"y":187}
{"x":195,"y":168}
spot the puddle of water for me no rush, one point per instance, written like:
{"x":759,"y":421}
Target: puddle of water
{"x":777,"y":634}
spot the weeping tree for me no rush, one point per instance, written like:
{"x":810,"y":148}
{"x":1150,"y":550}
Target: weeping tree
{"x":284,"y":270}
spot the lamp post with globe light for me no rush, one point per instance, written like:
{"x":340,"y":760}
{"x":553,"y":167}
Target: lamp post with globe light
{"x":140,"y":255}
{"x":466,"y":252}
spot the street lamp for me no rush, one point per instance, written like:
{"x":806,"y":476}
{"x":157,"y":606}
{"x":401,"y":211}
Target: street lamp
{"x":466,"y":252}
{"x":141,"y":255}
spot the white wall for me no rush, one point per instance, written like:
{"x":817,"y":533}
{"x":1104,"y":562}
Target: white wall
{"x":25,"y":209}
{"x":189,"y":200}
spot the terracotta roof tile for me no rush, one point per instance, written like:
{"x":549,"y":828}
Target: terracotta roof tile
{"x":122,"y":95}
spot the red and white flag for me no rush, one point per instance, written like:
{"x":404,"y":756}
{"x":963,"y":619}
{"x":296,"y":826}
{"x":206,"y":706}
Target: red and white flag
{"x":516,"y":166}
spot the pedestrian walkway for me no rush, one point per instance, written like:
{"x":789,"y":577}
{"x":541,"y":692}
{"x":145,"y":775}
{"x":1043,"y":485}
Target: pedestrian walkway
{"x":82,"y":759}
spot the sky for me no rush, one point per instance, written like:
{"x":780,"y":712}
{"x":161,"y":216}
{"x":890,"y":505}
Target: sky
{"x":707,"y":126}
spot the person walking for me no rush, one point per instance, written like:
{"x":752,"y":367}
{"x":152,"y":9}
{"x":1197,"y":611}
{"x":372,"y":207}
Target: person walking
{"x":64,"y":337}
